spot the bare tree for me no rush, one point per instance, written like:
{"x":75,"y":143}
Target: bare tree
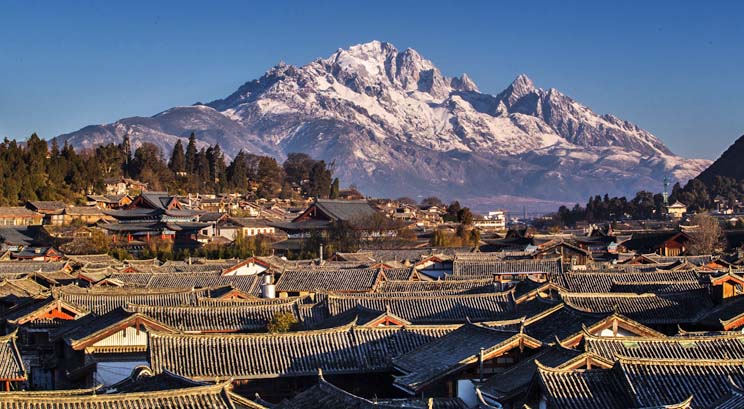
{"x":707,"y":238}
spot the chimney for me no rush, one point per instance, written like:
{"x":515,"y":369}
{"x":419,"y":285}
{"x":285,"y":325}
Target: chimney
{"x":268,"y":289}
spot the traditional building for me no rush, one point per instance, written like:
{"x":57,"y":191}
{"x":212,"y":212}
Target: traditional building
{"x":233,"y":227}
{"x":450,"y":365}
{"x":324,"y":214}
{"x":103,"y":349}
{"x":676,"y":210}
{"x":105,"y":202}
{"x":641,"y":383}
{"x":218,"y":396}
{"x":664,"y":243}
{"x":123,"y":186}
{"x":356,"y":357}
{"x":84,"y":215}
{"x":19,"y":216}
{"x":53,"y":211}
{"x":310,"y":281}
{"x":13,"y":374}
{"x":155,"y":215}
{"x":33,"y":322}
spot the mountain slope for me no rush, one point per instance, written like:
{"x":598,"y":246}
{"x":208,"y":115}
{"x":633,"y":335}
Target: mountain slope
{"x":730,"y":164}
{"x":396,"y":126}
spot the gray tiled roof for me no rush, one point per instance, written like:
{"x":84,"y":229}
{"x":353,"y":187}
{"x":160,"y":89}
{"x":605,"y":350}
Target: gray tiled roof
{"x":345,"y":210}
{"x":444,"y":355}
{"x":231,"y":318}
{"x":11,"y":363}
{"x":327,"y":396}
{"x":431,"y":309}
{"x":212,"y":396}
{"x":483,"y":269}
{"x":605,"y":281}
{"x":587,"y":389}
{"x":685,"y":348}
{"x":16,"y":267}
{"x":328,"y":280}
{"x":103,"y":300}
{"x":254,"y":356}
{"x":661,"y":382}
{"x":442,"y":286}
{"x":644,"y":308}
{"x":245,"y":283}
{"x":517,"y":378}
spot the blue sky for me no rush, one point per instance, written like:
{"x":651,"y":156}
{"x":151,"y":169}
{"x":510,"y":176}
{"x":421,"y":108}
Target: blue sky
{"x":674,"y":68}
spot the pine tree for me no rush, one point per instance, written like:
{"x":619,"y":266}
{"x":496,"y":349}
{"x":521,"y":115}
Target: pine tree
{"x":201,"y":169}
{"x":269,"y":176}
{"x":320,"y":180}
{"x":238,"y":173}
{"x":177,"y":161}
{"x":191,"y":152}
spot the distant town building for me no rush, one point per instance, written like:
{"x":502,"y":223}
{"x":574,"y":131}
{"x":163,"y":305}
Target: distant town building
{"x":495,"y":220}
{"x":234,"y":227}
{"x":109,"y":201}
{"x":676,"y":210}
{"x":152,"y":215}
{"x":123,"y":186}
{"x":19,"y":216}
{"x":53,"y":211}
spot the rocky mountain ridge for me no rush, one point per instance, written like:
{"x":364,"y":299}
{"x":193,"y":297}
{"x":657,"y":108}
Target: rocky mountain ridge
{"x":395,"y":125}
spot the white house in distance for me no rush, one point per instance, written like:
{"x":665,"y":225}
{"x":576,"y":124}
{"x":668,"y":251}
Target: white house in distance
{"x":495,"y":220}
{"x":233,"y":226}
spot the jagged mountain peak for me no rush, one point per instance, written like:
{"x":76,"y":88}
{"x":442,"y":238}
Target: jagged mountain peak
{"x":521,"y":87}
{"x":464,"y":83}
{"x":400,"y":127}
{"x":523,"y":84}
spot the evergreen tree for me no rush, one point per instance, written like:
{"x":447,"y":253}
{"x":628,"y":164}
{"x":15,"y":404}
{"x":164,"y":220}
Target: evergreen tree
{"x":177,"y":162}
{"x":320,"y":180}
{"x":201,"y":169}
{"x":218,"y":167}
{"x":239,"y":172}
{"x":269,"y":176}
{"x":465,"y":216}
{"x":147,"y":165}
{"x":297,"y":168}
{"x":191,"y":152}
{"x":37,"y":170}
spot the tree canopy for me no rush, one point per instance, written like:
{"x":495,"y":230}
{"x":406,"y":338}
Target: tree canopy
{"x":41,"y":170}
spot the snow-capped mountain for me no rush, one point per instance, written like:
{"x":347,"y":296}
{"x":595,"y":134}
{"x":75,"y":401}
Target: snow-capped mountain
{"x":396,"y":126}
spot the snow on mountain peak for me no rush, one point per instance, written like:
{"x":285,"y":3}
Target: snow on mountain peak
{"x":464,"y":83}
{"x":400,"y":127}
{"x":523,"y":83}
